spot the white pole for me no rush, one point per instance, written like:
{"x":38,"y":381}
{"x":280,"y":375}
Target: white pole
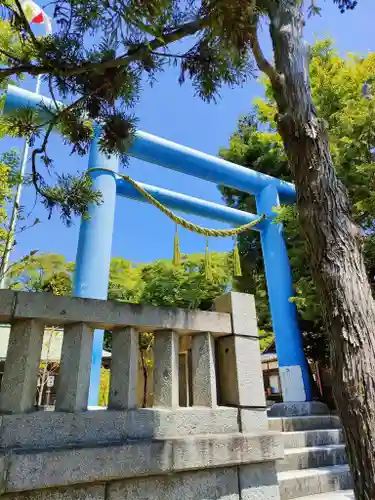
{"x":15,"y":208}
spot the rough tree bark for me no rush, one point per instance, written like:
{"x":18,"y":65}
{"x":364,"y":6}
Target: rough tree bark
{"x":333,"y":240}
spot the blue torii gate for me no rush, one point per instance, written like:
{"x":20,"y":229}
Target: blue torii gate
{"x":95,"y":237}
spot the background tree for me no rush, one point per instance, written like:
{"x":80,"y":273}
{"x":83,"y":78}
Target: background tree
{"x":43,"y":273}
{"x":160,"y":284}
{"x":48,"y":367}
{"x":256,"y":144}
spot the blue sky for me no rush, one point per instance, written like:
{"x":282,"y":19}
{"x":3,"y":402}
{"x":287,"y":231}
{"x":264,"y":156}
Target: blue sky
{"x":172,"y":111}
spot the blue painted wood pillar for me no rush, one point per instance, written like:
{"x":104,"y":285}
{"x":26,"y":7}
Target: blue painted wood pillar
{"x":94,"y":249}
{"x":293,"y":368}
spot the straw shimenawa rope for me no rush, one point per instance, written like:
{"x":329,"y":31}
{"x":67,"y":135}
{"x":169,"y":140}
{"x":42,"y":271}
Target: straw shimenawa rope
{"x":218,"y":233}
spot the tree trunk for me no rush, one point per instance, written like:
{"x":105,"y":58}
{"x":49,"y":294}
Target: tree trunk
{"x":334,"y":244}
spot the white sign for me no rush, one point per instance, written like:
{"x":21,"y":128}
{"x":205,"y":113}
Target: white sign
{"x":50,"y":381}
{"x":292,"y":383}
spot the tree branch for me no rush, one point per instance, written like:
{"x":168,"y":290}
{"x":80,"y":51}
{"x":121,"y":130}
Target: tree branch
{"x":25,"y":68}
{"x":263,"y":64}
{"x":10,"y":56}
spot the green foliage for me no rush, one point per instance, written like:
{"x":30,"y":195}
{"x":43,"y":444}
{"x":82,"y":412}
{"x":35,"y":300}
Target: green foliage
{"x":43,"y":273}
{"x":336,"y":85}
{"x":160,"y":283}
{"x":186,"y":285}
{"x":104,"y":386}
{"x":265,"y":339}
{"x":72,"y":195}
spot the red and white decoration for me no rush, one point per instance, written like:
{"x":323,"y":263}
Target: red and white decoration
{"x":36,"y":15}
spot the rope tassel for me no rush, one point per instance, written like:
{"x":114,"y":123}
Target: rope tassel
{"x":237,"y":271}
{"x":208,"y":264}
{"x":176,"y":249}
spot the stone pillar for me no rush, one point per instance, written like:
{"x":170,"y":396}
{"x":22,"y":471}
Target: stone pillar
{"x":203,"y":370}
{"x":124,"y":369}
{"x":74,"y":375}
{"x":18,"y":386}
{"x":239,"y":363}
{"x":166,"y":362}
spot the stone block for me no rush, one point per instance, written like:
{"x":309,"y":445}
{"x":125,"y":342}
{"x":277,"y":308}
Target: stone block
{"x":74,"y":374}
{"x":124,"y":369}
{"x":7,"y":304}
{"x":89,"y":492}
{"x":215,"y":484}
{"x":259,"y":482}
{"x":43,"y":430}
{"x":19,"y":382}
{"x":204,"y":370}
{"x":298,"y":409}
{"x":219,"y":450}
{"x":107,"y":314}
{"x":73,"y":466}
{"x":242,"y":308}
{"x":240,"y":372}
{"x":165,"y":374}
{"x":219,"y":420}
{"x":253,"y":420}
{"x":51,"y":469}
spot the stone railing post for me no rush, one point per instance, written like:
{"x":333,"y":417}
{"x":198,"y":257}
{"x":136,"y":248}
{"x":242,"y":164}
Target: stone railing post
{"x":21,"y":371}
{"x":239,"y":363}
{"x":166,"y":361}
{"x":124,"y":369}
{"x":203,"y":370}
{"x":74,"y":375}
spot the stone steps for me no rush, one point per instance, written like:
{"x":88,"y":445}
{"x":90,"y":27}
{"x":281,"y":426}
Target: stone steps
{"x":315,"y":464}
{"x":304,"y":423}
{"x":333,"y":495}
{"x":313,"y":457}
{"x":307,"y":482}
{"x":314,"y":437}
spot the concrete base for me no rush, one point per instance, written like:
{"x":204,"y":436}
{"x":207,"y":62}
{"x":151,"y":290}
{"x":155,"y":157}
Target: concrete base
{"x":244,"y":482}
{"x":298,"y":409}
{"x":58,"y":468}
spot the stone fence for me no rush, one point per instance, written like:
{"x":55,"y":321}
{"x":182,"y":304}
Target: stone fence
{"x":219,"y":448}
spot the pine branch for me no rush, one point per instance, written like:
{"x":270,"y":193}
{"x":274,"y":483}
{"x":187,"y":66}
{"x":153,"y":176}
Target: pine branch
{"x":177,"y":34}
{"x":124,"y":60}
{"x":26,"y":23}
